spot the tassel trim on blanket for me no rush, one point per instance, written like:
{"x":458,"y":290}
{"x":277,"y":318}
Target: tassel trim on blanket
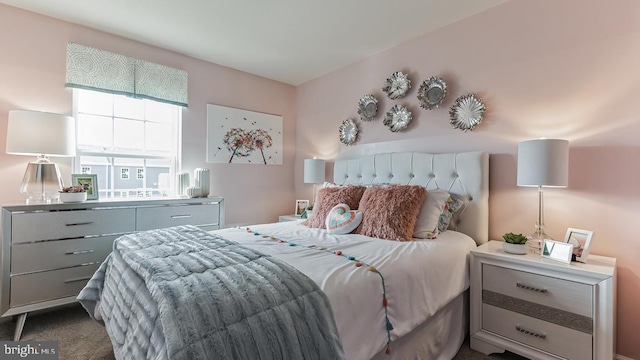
{"x":357,"y":263}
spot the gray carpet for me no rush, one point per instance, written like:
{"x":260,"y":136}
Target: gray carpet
{"x":81,"y":338}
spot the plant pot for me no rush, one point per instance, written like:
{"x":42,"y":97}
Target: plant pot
{"x":517,"y":249}
{"x":73,"y":197}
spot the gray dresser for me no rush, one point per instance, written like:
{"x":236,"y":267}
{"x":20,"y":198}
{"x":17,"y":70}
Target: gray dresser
{"x":49,"y":252}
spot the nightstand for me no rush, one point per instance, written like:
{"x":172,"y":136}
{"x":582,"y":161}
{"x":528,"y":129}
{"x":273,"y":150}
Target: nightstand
{"x":540,"y":308}
{"x":283,"y":218}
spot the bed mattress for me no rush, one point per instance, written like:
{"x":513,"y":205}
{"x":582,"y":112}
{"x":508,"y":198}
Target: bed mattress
{"x":420,"y":277}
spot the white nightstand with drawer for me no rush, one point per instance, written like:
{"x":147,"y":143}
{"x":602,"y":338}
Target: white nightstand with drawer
{"x":49,"y":252}
{"x":540,"y":308}
{"x":291,"y":217}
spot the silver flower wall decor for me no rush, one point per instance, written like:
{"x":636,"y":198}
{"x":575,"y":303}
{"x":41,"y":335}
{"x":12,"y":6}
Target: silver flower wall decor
{"x":397,"y":85}
{"x":398,"y":118}
{"x":467,"y":112}
{"x":348,"y":132}
{"x":367,"y":107}
{"x":432,"y":93}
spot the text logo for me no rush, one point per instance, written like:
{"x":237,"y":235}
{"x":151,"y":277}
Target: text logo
{"x":40,"y":350}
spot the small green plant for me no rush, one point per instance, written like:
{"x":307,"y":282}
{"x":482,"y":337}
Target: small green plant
{"x":514,"y":238}
{"x":73,"y":189}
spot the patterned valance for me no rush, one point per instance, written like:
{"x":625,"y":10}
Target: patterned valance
{"x":95,"y":69}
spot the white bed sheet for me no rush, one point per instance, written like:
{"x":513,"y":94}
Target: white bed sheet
{"x":421,"y":277}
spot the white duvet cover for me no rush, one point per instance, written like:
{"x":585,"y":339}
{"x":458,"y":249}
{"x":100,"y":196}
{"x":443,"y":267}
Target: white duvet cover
{"x":420,"y":277}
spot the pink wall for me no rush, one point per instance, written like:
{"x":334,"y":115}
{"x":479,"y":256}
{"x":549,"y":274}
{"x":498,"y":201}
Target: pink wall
{"x":566,"y":69}
{"x":32,"y":76}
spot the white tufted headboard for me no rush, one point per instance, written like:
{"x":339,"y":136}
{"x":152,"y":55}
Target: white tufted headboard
{"x":465,"y":174}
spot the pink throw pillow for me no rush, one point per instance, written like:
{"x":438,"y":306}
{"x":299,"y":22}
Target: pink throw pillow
{"x":390,"y":212}
{"x":328,"y":198}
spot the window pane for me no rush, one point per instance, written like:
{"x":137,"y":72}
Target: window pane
{"x":127,"y":107}
{"x":158,"y":137}
{"x":94,"y":131}
{"x":94,"y":102}
{"x":160,"y":112}
{"x":128,"y":134}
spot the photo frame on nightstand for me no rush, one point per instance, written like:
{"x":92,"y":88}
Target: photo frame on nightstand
{"x":580,"y":240}
{"x":556,"y":250}
{"x":301,"y":206}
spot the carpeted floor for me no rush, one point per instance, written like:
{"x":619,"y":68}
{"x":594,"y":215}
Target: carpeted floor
{"x":81,"y":338}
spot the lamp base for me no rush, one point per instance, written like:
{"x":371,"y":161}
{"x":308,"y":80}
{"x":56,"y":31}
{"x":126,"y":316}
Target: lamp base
{"x":42,"y":182}
{"x":534,"y":241}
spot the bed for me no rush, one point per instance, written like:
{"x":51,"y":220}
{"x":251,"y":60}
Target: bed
{"x":378,"y":299}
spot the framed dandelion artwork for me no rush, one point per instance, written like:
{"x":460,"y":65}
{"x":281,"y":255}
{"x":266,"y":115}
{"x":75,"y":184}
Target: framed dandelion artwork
{"x":237,"y":136}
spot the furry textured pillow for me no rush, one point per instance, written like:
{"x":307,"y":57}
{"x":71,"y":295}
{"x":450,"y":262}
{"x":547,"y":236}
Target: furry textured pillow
{"x":328,"y":198}
{"x":390,"y":212}
{"x":342,"y":220}
{"x":427,"y":222}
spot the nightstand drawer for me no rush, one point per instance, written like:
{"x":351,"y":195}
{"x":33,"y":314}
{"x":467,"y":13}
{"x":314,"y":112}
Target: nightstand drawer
{"x":166,"y":216}
{"x":36,"y":226}
{"x":52,"y":255}
{"x":49,"y":285}
{"x":552,"y":338}
{"x":560,"y":294}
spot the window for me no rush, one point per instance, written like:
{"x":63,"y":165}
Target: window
{"x":85,"y":170}
{"x":116,"y":133}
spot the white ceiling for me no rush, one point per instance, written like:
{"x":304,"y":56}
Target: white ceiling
{"x":292,"y":41}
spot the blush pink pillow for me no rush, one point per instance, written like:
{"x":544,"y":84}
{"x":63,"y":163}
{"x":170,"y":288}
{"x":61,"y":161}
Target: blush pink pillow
{"x":328,"y":198}
{"x":390,"y":212}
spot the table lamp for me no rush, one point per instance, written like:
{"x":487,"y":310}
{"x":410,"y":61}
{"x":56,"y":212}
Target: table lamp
{"x":313,"y":173}
{"x":41,"y":134}
{"x":543,"y":163}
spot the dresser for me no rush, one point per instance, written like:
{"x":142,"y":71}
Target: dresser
{"x":540,"y":308}
{"x":49,"y":252}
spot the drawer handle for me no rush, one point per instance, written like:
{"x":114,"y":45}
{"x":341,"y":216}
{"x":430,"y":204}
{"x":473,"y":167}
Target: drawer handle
{"x":527,"y":287}
{"x":85,"y":278}
{"x":180,"y":216}
{"x":81,"y":223}
{"x":534,"y":334}
{"x":79,"y":252}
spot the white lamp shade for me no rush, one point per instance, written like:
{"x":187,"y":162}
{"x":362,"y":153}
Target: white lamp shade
{"x":40,"y":133}
{"x":313,"y":171}
{"x":543,"y":162}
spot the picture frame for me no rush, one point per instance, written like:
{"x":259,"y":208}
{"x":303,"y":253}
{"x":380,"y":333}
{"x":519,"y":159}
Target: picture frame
{"x":301,"y":206}
{"x":89,"y":182}
{"x":581,"y":241}
{"x":556,"y":250}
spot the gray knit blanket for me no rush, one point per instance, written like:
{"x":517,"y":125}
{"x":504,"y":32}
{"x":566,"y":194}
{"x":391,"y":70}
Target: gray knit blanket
{"x":183,"y":293}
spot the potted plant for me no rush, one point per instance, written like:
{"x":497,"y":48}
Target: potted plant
{"x":514,"y":243}
{"x":73,"y":194}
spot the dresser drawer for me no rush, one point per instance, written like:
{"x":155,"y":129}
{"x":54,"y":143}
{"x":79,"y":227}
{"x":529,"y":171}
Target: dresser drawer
{"x":560,"y":294}
{"x":28,"y":227}
{"x":555,"y":339}
{"x":49,"y":285}
{"x":166,"y":216}
{"x":51,"y":255}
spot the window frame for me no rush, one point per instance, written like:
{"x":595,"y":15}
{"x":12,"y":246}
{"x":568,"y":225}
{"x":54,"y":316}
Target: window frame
{"x":111,"y":156}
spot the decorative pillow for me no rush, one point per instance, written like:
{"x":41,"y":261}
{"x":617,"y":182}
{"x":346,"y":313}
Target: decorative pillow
{"x":453,"y":205}
{"x":390,"y":212}
{"x":429,"y":215}
{"x":342,"y":220}
{"x":328,"y":198}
